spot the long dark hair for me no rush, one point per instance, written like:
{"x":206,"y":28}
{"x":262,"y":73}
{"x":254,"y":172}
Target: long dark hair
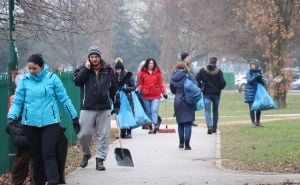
{"x":146,"y":65}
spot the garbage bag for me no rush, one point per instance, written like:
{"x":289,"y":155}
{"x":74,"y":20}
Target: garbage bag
{"x":140,"y":115}
{"x":200,"y":104}
{"x":125,"y":115}
{"x":262,"y":100}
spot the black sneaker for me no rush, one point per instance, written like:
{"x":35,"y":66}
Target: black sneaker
{"x":128,"y":136}
{"x":84,"y":161}
{"x":214,"y":130}
{"x":194,"y":124}
{"x":99,"y":164}
{"x":209,"y":130}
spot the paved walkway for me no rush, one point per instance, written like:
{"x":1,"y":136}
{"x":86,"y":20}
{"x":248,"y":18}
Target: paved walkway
{"x":159,"y":161}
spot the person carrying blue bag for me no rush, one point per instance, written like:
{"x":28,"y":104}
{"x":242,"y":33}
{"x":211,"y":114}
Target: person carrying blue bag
{"x":253,"y":77}
{"x":184,"y":111}
{"x":127,"y":86}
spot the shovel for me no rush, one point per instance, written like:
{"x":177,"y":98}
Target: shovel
{"x":122,"y":155}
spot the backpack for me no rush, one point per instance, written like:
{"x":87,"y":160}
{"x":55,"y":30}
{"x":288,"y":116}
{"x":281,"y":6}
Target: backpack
{"x":192,"y":93}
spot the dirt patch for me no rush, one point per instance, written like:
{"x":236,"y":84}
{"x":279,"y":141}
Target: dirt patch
{"x":260,"y":167}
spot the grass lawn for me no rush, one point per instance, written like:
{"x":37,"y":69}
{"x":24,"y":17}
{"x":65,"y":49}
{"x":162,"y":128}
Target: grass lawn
{"x":274,"y":148}
{"x":232,"y":107}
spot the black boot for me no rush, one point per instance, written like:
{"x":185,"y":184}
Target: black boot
{"x":181,"y":144}
{"x":84,"y":161}
{"x":187,"y":146}
{"x":99,"y":164}
{"x":209,"y":129}
{"x":151,"y":129}
{"x":156,"y":128}
{"x":214,"y":130}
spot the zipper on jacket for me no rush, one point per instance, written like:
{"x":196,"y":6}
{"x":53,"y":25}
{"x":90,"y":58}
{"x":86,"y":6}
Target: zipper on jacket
{"x":69,"y":111}
{"x":83,"y":95}
{"x":26,"y":113}
{"x":53,"y":111}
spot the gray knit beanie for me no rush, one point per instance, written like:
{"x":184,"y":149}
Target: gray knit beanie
{"x":94,"y":50}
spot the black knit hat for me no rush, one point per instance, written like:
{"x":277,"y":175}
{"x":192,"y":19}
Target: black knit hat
{"x":119,"y":65}
{"x":184,"y":55}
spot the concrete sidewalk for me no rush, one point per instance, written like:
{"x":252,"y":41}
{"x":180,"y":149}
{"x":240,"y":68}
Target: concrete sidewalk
{"x":159,"y":161}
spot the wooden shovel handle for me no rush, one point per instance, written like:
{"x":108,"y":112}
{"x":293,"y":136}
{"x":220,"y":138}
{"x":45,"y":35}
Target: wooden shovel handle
{"x":119,"y":133}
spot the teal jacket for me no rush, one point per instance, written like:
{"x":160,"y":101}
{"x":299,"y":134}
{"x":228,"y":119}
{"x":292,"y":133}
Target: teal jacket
{"x":37,"y":96}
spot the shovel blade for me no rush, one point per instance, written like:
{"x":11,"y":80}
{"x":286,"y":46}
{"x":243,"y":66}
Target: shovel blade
{"x":123,"y":157}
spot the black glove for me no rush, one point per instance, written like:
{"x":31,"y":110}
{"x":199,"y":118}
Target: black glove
{"x":165,"y":96}
{"x":259,"y":79}
{"x":115,"y":111}
{"x":76,"y":125}
{"x":10,"y":123}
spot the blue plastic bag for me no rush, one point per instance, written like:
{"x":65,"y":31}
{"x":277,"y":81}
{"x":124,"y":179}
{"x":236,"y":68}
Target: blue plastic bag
{"x":192,"y":92}
{"x":262,"y":100}
{"x":140,"y":116}
{"x":200,"y":104}
{"x":125,"y":116}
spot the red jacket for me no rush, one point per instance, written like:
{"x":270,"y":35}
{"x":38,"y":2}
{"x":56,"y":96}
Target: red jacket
{"x":151,"y":85}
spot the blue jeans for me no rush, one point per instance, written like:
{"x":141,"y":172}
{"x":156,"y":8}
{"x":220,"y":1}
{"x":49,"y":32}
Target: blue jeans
{"x":185,"y":132}
{"x":253,"y":114}
{"x":214,"y":101}
{"x":151,"y":107}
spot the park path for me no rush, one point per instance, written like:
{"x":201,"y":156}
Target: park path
{"x":159,"y":161}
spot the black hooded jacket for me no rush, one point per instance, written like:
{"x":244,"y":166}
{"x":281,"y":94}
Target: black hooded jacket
{"x":211,"y":80}
{"x":96,"y":92}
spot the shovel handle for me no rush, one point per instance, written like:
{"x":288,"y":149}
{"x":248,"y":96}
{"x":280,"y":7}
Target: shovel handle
{"x":119,"y":133}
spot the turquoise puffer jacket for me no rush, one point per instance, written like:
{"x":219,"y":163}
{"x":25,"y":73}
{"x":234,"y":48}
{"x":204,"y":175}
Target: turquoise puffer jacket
{"x":37,"y":96}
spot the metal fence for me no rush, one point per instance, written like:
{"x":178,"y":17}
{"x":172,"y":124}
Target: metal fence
{"x":7,"y":148}
{"x":229,"y":78}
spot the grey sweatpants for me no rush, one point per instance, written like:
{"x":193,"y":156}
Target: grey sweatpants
{"x":95,"y":122}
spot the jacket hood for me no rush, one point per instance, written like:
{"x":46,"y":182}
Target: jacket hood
{"x":178,"y":75}
{"x":40,"y":75}
{"x":211,"y":70}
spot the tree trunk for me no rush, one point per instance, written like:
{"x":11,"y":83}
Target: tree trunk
{"x":280,"y":99}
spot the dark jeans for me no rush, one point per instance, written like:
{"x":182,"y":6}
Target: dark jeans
{"x":185,"y":132}
{"x":214,"y":101}
{"x":43,"y":146}
{"x":254,"y":114}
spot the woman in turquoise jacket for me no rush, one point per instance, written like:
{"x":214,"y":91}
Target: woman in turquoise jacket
{"x":36,"y":96}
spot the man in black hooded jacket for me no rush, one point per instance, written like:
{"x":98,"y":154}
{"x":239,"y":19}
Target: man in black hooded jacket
{"x":211,"y":80}
{"x":98,"y":89}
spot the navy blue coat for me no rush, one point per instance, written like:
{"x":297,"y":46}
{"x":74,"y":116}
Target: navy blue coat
{"x":184,"y":112}
{"x":251,"y":86}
